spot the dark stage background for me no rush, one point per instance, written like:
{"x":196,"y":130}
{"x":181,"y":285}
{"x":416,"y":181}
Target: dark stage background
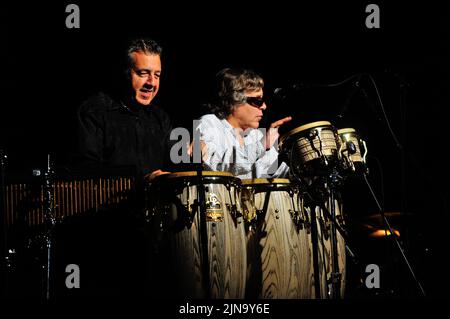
{"x":48,"y":70}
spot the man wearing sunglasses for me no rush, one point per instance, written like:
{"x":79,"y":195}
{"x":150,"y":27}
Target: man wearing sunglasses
{"x":230,"y":139}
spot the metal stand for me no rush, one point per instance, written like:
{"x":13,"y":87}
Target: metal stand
{"x":315,"y":247}
{"x":334,"y":181}
{"x":4,"y":262}
{"x":50,"y":222}
{"x":330,"y":184}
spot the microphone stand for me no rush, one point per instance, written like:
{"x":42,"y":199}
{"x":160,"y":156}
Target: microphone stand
{"x":403,"y":85}
{"x":395,"y":238}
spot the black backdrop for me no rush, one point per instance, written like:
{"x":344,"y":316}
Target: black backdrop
{"x":47,"y":70}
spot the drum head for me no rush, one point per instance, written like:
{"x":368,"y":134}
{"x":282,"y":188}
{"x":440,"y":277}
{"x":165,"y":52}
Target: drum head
{"x":264,"y":181}
{"x":263,"y":184}
{"x":192,"y":177}
{"x":346,"y":130}
{"x":303,"y":128}
{"x":195,"y":174}
{"x":311,"y":149}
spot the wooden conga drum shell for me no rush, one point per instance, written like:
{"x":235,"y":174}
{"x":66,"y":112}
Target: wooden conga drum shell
{"x":181,"y":234}
{"x":279,"y":253}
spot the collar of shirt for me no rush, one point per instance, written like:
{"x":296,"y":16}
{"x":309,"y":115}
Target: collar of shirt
{"x":251,"y":136}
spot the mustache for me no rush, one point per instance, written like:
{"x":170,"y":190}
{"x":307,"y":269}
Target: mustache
{"x":148,"y":88}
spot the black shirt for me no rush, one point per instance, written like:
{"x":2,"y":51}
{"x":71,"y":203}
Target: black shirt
{"x":112,"y":133}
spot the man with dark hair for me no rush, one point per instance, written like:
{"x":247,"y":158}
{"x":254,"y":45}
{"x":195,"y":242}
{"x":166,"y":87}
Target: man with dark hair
{"x":230,"y":139}
{"x":115,"y":131}
{"x":128,"y":130}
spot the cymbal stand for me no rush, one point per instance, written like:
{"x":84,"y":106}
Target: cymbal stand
{"x":395,"y":238}
{"x":50,"y":221}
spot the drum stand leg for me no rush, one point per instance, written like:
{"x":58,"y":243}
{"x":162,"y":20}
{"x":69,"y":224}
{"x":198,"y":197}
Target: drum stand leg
{"x":335,"y":275}
{"x":315,"y":247}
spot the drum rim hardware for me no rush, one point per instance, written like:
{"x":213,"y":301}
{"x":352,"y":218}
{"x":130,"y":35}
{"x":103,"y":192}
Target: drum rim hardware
{"x":326,"y":152}
{"x":303,"y":128}
{"x":194,"y":174}
{"x":183,"y":180}
{"x":344,"y":135}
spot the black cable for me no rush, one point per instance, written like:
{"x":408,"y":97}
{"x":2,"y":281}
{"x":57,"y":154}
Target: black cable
{"x":281,"y":93}
{"x":360,"y":76}
{"x":357,"y":75}
{"x":381,"y":172}
{"x":397,"y":142}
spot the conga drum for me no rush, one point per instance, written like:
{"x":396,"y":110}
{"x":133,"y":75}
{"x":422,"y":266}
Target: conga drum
{"x":311,"y":149}
{"x":353,"y":151}
{"x":202,"y":250}
{"x":278,"y":241}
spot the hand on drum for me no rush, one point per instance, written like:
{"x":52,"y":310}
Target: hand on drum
{"x":272,"y":133}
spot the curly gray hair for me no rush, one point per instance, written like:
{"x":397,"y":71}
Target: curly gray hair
{"x":231,"y":85}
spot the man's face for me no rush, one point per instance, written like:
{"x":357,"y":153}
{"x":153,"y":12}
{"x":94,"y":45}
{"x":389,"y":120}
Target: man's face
{"x":145,"y":76}
{"x":248,"y":115}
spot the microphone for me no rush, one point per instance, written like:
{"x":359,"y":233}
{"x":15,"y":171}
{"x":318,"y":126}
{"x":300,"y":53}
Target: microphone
{"x":283,"y":92}
{"x":278,"y":91}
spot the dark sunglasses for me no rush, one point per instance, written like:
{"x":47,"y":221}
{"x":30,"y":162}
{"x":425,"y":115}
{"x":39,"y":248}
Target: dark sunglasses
{"x":254,"y":101}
